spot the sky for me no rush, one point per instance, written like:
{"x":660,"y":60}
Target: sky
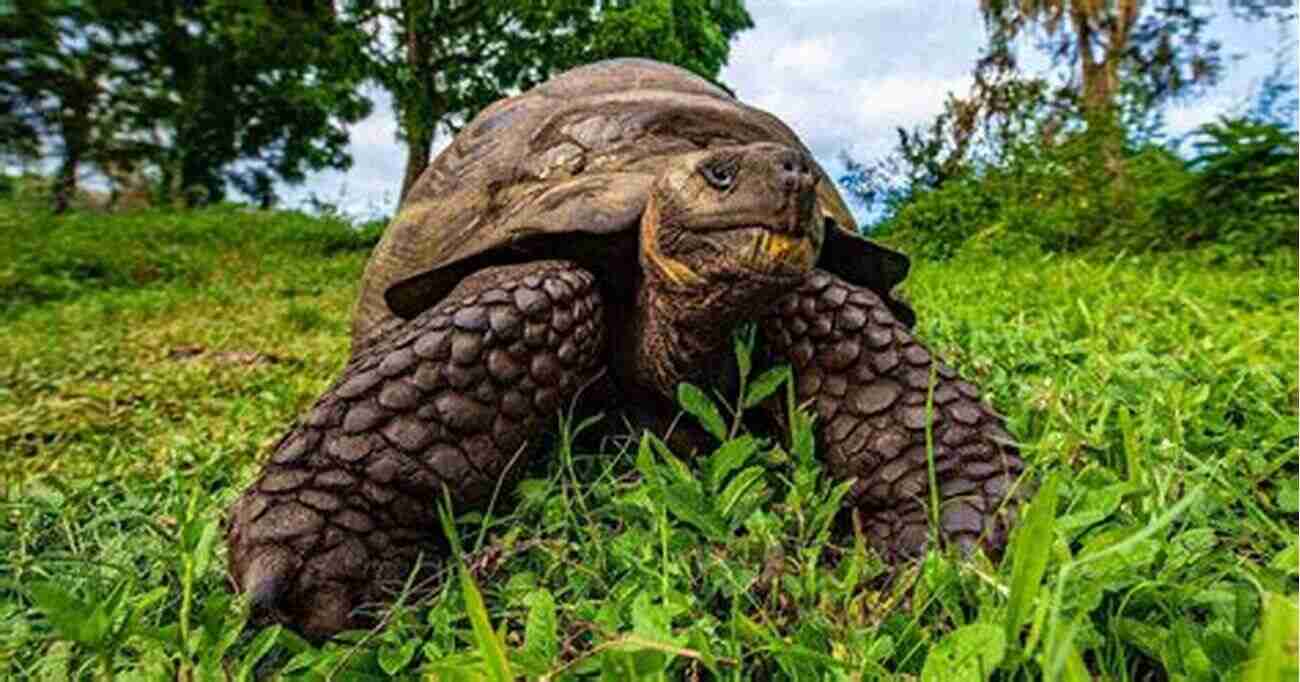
{"x":844,"y":74}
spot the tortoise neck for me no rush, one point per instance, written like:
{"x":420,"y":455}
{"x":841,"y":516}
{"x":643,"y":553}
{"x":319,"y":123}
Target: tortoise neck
{"x":684,"y":334}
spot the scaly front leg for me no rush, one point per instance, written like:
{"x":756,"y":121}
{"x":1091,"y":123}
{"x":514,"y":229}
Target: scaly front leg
{"x":868,"y":379}
{"x":349,"y":497}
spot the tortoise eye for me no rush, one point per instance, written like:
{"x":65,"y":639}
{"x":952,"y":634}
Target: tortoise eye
{"x":719,"y":174}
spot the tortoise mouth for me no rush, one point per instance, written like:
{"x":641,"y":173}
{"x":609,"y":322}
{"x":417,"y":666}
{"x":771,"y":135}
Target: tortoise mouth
{"x":776,"y":253}
{"x":756,"y":251}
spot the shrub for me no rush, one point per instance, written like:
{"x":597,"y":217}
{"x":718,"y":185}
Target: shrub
{"x":1245,"y":187}
{"x":1238,"y":192}
{"x":1056,"y":198}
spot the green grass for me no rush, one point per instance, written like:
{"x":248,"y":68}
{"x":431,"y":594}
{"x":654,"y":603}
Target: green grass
{"x":149,"y":360}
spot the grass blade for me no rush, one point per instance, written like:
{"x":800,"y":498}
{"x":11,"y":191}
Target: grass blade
{"x":1275,"y":657}
{"x":1030,"y":549}
{"x":489,"y":644}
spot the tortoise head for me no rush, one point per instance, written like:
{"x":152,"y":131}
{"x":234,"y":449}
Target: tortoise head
{"x":735,"y":215}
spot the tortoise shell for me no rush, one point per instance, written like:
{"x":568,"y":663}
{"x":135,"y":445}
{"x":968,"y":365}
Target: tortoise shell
{"x":563,"y":171}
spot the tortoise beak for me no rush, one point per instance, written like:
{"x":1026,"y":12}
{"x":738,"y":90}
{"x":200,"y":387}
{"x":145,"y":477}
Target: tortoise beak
{"x":787,"y":246}
{"x":782,"y":252}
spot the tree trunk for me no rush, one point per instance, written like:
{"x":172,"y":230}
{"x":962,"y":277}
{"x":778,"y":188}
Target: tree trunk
{"x":1095,"y":95}
{"x":193,"y":175}
{"x":1100,"y":75}
{"x":417,"y":129}
{"x":65,"y":186}
{"x":418,"y":145}
{"x":75,"y":129}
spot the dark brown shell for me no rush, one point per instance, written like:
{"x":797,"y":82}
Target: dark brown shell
{"x":562,"y":171}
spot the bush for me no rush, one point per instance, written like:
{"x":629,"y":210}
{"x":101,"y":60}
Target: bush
{"x":1054,"y":198}
{"x":1238,"y":192}
{"x":1245,"y":188}
{"x":935,"y":224}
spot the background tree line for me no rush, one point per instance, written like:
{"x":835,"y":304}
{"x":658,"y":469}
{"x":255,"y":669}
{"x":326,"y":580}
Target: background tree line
{"x":1079,"y":156}
{"x":192,"y":97}
{"x":184,"y":100}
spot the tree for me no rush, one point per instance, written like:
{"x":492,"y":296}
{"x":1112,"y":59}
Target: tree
{"x":21,"y":140}
{"x":64,"y":78}
{"x":1112,"y":42}
{"x":198,"y":93}
{"x":1125,"y":56}
{"x":693,"y":34}
{"x":1002,"y":110}
{"x":258,"y":92}
{"x":458,"y":56}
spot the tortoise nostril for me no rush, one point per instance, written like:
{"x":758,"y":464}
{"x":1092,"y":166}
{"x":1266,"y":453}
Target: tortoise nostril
{"x":792,"y":170}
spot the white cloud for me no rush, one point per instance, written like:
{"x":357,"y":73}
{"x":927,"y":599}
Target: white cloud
{"x":1183,"y":119}
{"x":804,"y":57}
{"x":845,"y":75}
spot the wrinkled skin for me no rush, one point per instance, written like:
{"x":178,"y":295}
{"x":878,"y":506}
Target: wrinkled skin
{"x":455,"y":395}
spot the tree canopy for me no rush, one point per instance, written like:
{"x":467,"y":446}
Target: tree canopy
{"x":198,"y":96}
{"x":1078,"y":156}
{"x":444,"y":60}
{"x":195,"y":94}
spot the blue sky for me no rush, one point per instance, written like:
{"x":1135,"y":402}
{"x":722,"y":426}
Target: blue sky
{"x":842,"y":73}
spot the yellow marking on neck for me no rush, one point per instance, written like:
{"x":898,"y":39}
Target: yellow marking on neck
{"x":673,"y":270}
{"x":758,"y":248}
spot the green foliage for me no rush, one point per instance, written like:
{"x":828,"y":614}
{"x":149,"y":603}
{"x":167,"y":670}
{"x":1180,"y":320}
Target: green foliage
{"x":968,"y":654}
{"x":693,"y":34}
{"x":185,"y":97}
{"x":1150,"y":53}
{"x":460,"y":56}
{"x":1275,"y":638}
{"x":1245,"y":184}
{"x":1154,"y":397}
{"x":457,"y":57}
{"x":262,"y":92}
{"x":67,"y":77}
{"x":81,"y":254}
{"x":1027,"y":162}
{"x":1236,"y":195}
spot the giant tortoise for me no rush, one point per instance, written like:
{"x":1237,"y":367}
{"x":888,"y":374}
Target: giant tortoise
{"x":606,"y":232}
